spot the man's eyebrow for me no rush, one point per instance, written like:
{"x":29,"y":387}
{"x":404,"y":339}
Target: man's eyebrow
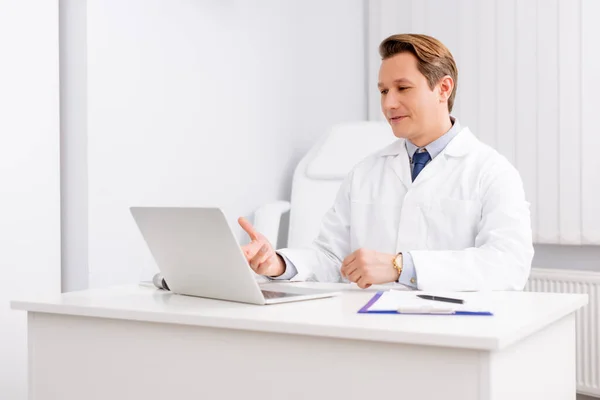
{"x":401,"y":80}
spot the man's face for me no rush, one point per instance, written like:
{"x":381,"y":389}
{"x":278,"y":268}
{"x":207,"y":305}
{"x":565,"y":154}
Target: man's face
{"x":407,"y":102}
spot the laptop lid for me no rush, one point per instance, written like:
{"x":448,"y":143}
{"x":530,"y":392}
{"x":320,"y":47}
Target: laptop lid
{"x":197,"y":252}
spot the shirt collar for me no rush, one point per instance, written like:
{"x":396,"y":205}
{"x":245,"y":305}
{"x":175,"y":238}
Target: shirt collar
{"x":437,"y":146}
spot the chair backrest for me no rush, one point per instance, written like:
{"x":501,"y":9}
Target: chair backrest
{"x":319,"y":174}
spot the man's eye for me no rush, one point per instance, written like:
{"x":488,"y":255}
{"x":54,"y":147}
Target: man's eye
{"x":402,"y":88}
{"x":383,"y":91}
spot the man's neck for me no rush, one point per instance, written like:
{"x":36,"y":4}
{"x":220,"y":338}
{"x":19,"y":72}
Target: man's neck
{"x":437,"y":132}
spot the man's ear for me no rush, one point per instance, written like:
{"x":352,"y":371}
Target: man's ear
{"x":446,"y":86}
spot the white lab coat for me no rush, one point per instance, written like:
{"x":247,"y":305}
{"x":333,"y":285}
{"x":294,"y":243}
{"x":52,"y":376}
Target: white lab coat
{"x":464,"y":220}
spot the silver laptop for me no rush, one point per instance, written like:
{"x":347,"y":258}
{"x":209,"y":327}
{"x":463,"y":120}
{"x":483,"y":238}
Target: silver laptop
{"x":198,"y":255}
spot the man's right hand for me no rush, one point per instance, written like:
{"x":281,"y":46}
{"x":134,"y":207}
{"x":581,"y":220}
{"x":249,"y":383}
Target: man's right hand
{"x":260,"y":254}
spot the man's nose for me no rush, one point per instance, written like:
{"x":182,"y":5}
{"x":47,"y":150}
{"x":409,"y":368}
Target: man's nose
{"x":390,"y":102}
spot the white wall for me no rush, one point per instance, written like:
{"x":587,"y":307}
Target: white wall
{"x":207,"y":103}
{"x":29,"y":174}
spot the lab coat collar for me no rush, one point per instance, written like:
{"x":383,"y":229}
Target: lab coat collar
{"x":460,"y":146}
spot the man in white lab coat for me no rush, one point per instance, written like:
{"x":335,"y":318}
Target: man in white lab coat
{"x":435,"y":210}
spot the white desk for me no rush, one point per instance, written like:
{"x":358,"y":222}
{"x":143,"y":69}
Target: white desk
{"x":135,"y":342}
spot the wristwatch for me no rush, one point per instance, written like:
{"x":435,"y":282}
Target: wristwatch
{"x":397,"y":263}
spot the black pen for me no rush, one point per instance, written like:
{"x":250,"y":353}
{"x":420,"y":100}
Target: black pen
{"x":439,"y":298}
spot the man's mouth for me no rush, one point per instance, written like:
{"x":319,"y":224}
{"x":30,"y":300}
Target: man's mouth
{"x":397,"y":118}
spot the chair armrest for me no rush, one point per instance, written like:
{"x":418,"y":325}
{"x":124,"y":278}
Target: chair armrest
{"x":268,"y":217}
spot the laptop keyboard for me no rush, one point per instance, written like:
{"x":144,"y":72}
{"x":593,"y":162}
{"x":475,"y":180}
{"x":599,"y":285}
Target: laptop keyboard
{"x":277,"y":295}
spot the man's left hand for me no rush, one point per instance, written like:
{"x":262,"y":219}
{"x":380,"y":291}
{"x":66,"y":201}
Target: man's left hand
{"x":368,"y":267}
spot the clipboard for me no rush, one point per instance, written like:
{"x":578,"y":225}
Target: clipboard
{"x":402,"y":302}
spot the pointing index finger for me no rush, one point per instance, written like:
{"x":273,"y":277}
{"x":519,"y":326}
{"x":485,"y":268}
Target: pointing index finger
{"x":247,"y":226}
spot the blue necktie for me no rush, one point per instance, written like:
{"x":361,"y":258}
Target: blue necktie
{"x":419,"y":162}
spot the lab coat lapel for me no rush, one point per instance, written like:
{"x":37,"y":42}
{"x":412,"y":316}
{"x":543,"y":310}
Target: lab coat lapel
{"x":401,"y":164}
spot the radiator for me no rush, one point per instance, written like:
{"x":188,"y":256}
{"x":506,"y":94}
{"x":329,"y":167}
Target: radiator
{"x":588,"y":321}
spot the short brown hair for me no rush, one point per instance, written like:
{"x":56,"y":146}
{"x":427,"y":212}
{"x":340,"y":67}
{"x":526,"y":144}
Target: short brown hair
{"x":434,"y":59}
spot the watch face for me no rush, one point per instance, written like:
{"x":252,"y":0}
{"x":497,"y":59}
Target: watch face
{"x":398,"y":262}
